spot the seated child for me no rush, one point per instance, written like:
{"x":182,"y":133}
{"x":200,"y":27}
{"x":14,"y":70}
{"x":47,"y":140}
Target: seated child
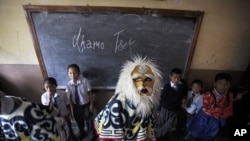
{"x":194,"y":98}
{"x":217,"y":107}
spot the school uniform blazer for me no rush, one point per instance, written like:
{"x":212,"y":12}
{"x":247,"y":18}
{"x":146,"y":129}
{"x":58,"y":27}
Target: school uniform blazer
{"x":171,"y":99}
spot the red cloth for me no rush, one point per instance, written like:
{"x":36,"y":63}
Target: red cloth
{"x":218,"y":106}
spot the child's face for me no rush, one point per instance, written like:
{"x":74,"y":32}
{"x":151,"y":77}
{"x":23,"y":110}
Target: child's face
{"x":50,"y":88}
{"x":222,"y":86}
{"x":175,"y":78}
{"x":73,"y":74}
{"x":196,"y":88}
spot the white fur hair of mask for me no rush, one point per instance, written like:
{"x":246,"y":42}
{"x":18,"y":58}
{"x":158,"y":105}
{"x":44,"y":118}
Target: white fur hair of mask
{"x":125,"y":86}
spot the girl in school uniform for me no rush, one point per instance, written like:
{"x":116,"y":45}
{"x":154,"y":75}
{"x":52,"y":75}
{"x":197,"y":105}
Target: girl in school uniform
{"x":58,"y":99}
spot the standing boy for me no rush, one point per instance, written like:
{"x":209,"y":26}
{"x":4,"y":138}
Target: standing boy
{"x":79,"y":89}
{"x":173,"y":95}
{"x":217,"y":107}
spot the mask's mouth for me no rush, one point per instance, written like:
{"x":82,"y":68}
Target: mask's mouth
{"x":144,"y":91}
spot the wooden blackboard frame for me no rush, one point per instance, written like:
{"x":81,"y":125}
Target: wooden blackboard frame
{"x":29,"y":9}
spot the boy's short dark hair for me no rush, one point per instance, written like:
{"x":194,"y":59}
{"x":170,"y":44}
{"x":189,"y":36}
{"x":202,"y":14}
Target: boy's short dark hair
{"x":221,"y":76}
{"x":176,"y":71}
{"x":50,"y":80}
{"x":197,"y":81}
{"x":73,"y":66}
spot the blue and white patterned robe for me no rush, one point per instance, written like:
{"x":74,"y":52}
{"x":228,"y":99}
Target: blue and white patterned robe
{"x":29,"y":121}
{"x":119,"y":121}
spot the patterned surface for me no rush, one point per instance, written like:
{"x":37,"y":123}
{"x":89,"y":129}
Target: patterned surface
{"x":29,"y":121}
{"x":118,"y":121}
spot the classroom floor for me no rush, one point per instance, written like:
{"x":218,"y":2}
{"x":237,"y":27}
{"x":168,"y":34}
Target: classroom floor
{"x":172,"y":136}
{"x":76,"y":132}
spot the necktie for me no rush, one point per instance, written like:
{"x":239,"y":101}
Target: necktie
{"x":50,"y":100}
{"x":190,"y":100}
{"x":54,"y":102}
{"x":77,"y":100}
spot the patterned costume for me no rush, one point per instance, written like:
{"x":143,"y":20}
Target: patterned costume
{"x":25,"y":121}
{"x":118,"y":120}
{"x":129,"y":113}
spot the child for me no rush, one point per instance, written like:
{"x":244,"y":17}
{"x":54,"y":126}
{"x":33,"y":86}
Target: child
{"x":194,"y":98}
{"x":79,"y":89}
{"x":173,"y":95}
{"x":58,"y":99}
{"x":217,"y":107}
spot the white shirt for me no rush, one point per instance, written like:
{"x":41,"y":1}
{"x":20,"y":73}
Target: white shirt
{"x":174,"y":85}
{"x":196,"y":103}
{"x":83,"y":87}
{"x":61,"y":100}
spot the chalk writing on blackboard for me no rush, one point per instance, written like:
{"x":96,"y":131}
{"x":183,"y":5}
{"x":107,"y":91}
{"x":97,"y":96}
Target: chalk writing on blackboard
{"x":101,"y":39}
{"x":121,"y":44}
{"x":81,"y":44}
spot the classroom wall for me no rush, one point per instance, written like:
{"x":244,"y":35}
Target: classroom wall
{"x":223,"y":43}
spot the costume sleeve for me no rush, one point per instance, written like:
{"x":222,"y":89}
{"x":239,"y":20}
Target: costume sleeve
{"x":109,"y":122}
{"x":29,"y":121}
{"x":150,"y":129}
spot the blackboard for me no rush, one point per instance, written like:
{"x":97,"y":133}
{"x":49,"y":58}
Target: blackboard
{"x":101,"y":39}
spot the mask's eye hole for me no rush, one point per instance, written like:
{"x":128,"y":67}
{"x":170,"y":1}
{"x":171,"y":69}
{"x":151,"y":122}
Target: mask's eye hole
{"x":148,"y":79}
{"x":137,"y":80}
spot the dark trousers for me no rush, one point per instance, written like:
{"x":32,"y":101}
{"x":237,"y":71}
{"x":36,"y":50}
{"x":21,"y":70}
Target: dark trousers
{"x":165,"y":122}
{"x":169,"y":120}
{"x":71,"y":133}
{"x":81,"y":113}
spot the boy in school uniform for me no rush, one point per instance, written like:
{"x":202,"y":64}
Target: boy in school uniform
{"x":194,"y":98}
{"x":217,"y":107}
{"x":170,"y":110}
{"x":59,"y":100}
{"x":79,"y":91}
